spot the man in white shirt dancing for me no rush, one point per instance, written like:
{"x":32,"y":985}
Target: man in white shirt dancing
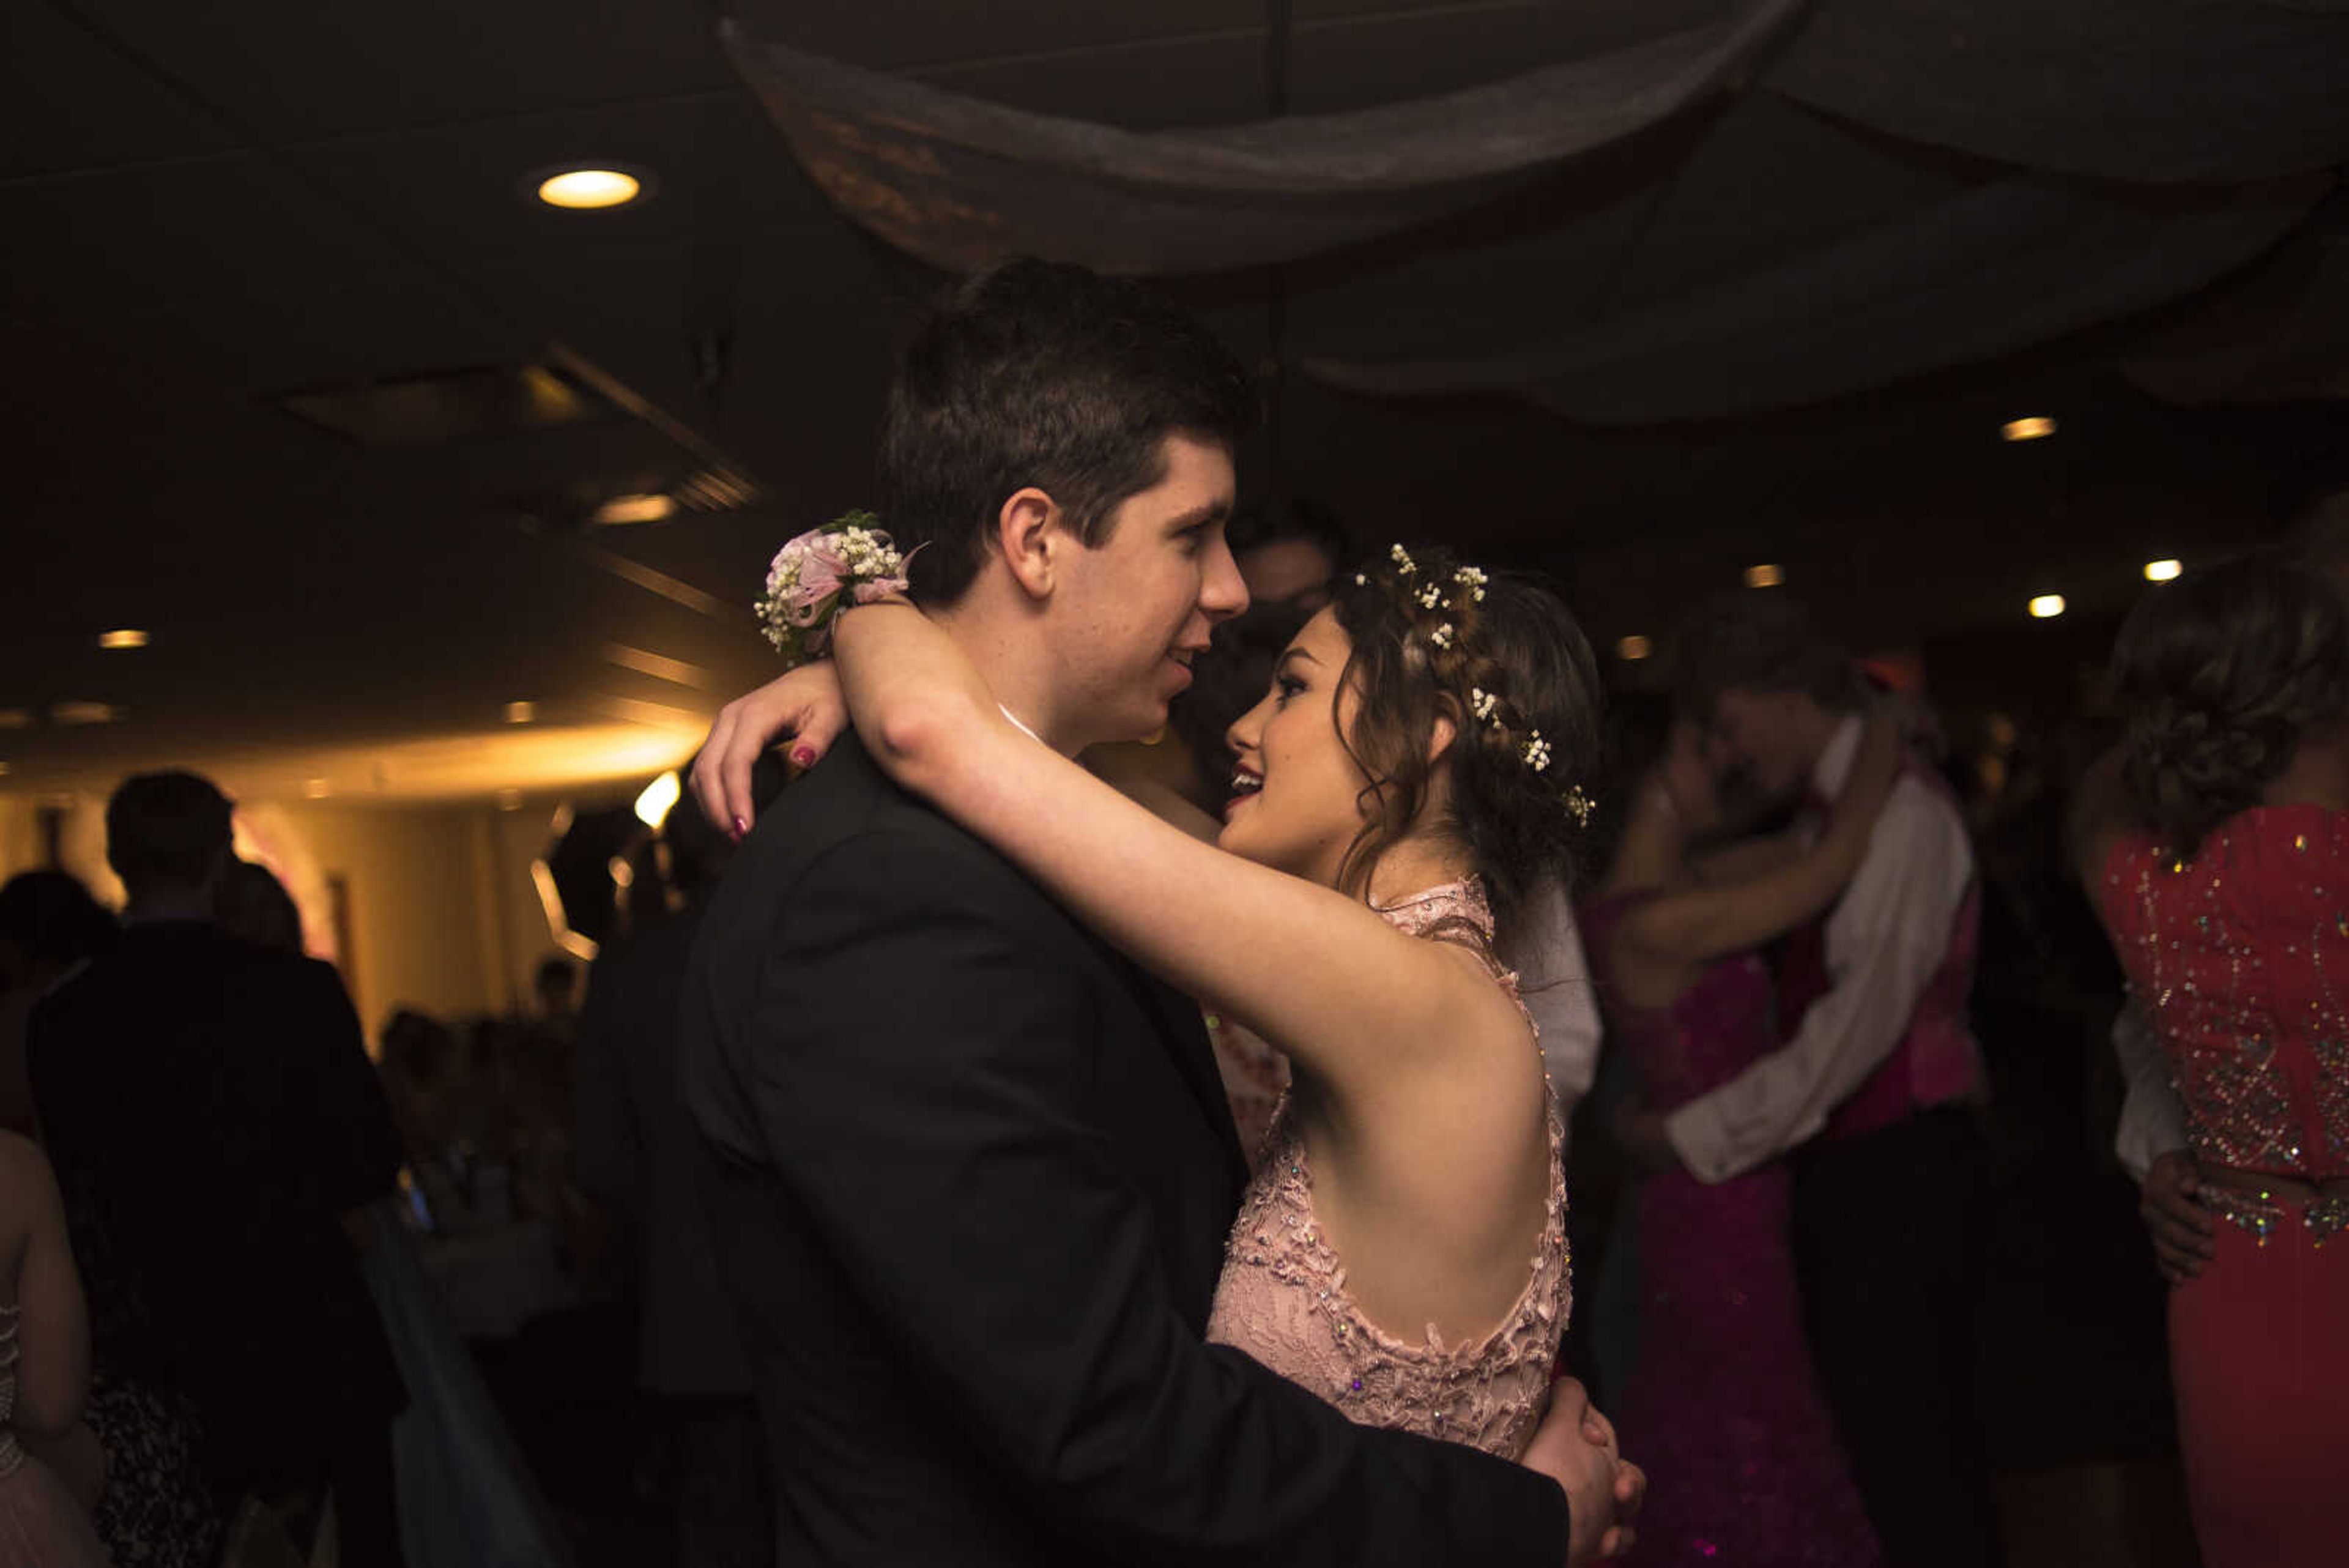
{"x":1873,"y":1090}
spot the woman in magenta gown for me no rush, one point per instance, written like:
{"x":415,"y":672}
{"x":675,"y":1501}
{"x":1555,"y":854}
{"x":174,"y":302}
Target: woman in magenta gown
{"x":1744,"y":1461}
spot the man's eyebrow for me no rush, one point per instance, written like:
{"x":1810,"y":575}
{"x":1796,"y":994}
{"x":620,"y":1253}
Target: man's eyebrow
{"x":1213,"y":512}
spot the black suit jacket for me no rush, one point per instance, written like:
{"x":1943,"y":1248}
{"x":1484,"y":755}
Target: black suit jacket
{"x":211,"y":1111}
{"x":970,"y":1174}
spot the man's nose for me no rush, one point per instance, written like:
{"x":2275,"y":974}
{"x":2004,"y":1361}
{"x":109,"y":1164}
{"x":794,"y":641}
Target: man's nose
{"x":1222,"y":592}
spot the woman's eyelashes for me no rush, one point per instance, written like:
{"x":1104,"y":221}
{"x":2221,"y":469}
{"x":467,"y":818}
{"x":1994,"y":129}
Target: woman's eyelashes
{"x":1284,"y":687}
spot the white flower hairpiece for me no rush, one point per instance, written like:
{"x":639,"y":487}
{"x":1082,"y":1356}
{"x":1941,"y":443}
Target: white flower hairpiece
{"x":1442,"y":635}
{"x":1482,"y":704}
{"x":1404,"y":564}
{"x":1536,"y":752}
{"x":1474,"y":580}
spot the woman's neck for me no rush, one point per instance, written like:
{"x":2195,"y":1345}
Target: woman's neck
{"x":1415,"y":865}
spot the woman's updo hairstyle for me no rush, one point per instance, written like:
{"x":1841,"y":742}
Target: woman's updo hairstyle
{"x":1499,"y":656}
{"x":2218,"y":676}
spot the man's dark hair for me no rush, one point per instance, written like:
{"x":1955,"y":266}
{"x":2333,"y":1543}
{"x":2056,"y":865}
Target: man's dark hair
{"x":1033,"y":373}
{"x":1763,"y":641}
{"x":167,"y":829}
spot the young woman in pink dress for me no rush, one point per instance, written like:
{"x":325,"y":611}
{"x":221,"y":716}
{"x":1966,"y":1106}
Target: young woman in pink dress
{"x":1723,"y":1403}
{"x":1412,"y":774}
{"x":2216,"y":844}
{"x":50,"y":1467}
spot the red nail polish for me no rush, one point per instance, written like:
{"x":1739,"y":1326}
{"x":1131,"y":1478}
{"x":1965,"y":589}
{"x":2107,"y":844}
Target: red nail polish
{"x":741,"y":827}
{"x":804,"y":756}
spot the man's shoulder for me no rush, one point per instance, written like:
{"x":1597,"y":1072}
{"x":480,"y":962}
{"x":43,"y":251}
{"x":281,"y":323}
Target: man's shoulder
{"x":846,"y":822}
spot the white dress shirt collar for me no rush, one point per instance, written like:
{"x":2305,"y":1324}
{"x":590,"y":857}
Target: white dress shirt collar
{"x":1833,"y":770}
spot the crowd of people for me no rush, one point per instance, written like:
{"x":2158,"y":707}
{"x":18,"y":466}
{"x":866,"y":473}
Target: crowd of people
{"x":1113,"y":1096}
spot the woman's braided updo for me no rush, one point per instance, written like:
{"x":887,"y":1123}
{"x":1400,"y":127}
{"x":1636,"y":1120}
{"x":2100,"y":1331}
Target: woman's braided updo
{"x":2218,"y":677}
{"x":1499,"y":656}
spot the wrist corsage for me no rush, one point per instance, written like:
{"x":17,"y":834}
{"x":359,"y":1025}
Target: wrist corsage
{"x":821,"y":573}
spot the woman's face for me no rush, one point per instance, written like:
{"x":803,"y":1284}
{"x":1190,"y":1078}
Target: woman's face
{"x":1687,"y":780}
{"x":1296,"y":793}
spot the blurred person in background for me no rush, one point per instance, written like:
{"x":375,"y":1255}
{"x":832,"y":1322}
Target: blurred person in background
{"x":214,"y":1121}
{"x":250,"y":904}
{"x":1746,"y":1465}
{"x":2215,"y":842}
{"x":1875,"y":1089}
{"x":48,"y":925}
{"x":634,"y":1152}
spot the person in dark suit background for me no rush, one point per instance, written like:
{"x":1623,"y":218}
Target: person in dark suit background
{"x":969,"y":1170}
{"x":634,"y":1151}
{"x":215,"y":1124}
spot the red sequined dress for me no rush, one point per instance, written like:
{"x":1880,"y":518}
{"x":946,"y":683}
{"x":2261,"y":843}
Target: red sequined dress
{"x":1283,"y":1297}
{"x":2241,"y":957}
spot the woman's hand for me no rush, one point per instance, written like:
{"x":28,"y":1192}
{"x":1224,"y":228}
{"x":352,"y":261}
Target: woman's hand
{"x":805,"y":704}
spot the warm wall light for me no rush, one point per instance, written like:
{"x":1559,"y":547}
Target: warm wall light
{"x":634,"y":509}
{"x":2030,"y":429}
{"x":16,"y":718}
{"x":316,"y":789}
{"x":1764,"y":577}
{"x":653,"y":805}
{"x":1634,"y":647}
{"x":2162,"y":571}
{"x":521,"y":712}
{"x":126,"y":638}
{"x":585,"y":189}
{"x":2047,"y":606}
{"x":509,"y":800}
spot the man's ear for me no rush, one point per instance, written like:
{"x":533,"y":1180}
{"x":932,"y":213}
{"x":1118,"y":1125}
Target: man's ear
{"x":1028,"y":533}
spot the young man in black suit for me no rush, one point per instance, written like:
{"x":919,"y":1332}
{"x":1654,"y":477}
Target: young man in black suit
{"x":970,"y":1170}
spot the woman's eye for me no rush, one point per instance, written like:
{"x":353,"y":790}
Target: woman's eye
{"x":1285,"y":687}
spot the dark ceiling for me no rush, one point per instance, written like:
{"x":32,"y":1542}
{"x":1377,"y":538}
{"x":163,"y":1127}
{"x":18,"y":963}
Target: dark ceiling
{"x":210,"y":210}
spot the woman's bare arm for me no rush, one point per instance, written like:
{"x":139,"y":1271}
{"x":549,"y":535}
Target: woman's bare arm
{"x":1698,"y":924}
{"x":1314,"y":972}
{"x":53,"y":1332}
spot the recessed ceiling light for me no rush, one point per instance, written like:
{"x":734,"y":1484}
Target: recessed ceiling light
{"x":316,"y":789}
{"x":653,"y":805}
{"x":509,"y":800}
{"x":583,"y":190}
{"x":1634,"y":647}
{"x":2047,"y":606}
{"x":2029,"y":429}
{"x":85,"y":713}
{"x":1764,"y":577}
{"x":126,"y":638}
{"x":521,"y":712}
{"x":2163,"y":571}
{"x":634,"y":509}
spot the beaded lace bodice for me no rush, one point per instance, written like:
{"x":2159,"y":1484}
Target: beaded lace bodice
{"x":2241,"y":957}
{"x":10,"y":1454}
{"x":1283,"y":1297}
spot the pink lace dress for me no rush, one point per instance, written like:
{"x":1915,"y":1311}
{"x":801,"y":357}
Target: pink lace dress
{"x":1283,"y":1297}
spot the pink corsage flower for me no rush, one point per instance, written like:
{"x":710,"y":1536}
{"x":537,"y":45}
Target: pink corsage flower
{"x":812,"y":574}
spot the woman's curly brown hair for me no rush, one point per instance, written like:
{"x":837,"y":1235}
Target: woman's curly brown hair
{"x":2218,"y":676}
{"x":1513,"y":644}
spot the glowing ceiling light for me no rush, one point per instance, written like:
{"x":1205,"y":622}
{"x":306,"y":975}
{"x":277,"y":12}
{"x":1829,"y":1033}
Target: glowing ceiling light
{"x":582,"y":189}
{"x":4,"y":769}
{"x":16,"y":718}
{"x":653,"y":805}
{"x":126,"y":638}
{"x":2047,"y":606}
{"x":2162,"y":571}
{"x":1764,"y":577}
{"x":521,"y":712}
{"x":316,"y":789}
{"x":509,"y":800}
{"x":2030,"y":429}
{"x":634,"y":509}
{"x":1634,"y":647}
{"x":85,"y":713}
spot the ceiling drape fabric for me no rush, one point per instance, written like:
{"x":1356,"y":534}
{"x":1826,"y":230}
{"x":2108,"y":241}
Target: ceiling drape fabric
{"x":1787,"y":203}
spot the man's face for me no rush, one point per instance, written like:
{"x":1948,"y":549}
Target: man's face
{"x":1129,"y":615}
{"x":1289,"y":572}
{"x":1757,"y":738}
